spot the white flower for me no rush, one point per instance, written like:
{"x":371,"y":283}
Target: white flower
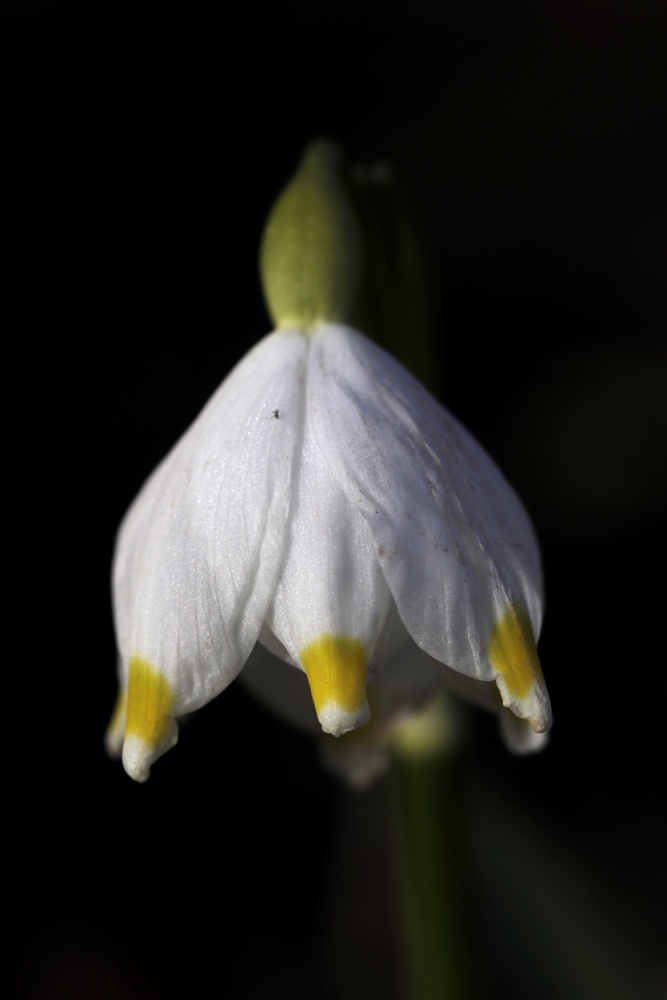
{"x":325,"y":505}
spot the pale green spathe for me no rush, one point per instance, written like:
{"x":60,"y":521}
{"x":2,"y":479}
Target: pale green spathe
{"x":311,"y":254}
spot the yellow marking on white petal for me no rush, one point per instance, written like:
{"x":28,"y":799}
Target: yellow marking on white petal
{"x":113,"y":737}
{"x":513,"y":653}
{"x":336,"y":668}
{"x":149,"y":705}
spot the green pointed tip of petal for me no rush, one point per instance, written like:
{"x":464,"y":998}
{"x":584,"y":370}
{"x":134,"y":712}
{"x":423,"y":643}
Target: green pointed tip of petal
{"x":311,"y":252}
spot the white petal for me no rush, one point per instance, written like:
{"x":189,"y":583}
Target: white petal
{"x":456,"y":545}
{"x":200,"y":549}
{"x":273,"y":644}
{"x":331,"y":582}
{"x":331,"y":594}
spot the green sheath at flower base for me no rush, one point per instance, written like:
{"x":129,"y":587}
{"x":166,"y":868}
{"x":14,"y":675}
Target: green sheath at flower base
{"x":311,"y":252}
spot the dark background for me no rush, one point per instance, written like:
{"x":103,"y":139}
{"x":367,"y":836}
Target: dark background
{"x":144,"y":145}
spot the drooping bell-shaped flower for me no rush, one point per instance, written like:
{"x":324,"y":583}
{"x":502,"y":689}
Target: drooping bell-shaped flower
{"x":325,"y":506}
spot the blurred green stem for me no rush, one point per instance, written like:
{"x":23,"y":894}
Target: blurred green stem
{"x":397,"y":306}
{"x":428,"y":758}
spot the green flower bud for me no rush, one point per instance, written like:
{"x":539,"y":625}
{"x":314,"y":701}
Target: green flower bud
{"x":311,"y":254}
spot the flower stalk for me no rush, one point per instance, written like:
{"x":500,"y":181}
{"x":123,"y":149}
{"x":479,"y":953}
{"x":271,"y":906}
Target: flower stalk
{"x":428,"y":762}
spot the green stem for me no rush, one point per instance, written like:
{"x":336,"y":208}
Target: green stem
{"x":433,"y":864}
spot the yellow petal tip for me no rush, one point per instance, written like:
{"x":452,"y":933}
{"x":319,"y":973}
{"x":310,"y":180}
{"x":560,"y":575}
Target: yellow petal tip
{"x":513,"y":653}
{"x":150,"y":729}
{"x":336,"y":670}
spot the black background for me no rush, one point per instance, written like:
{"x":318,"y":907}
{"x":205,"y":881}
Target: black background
{"x":145,"y":144}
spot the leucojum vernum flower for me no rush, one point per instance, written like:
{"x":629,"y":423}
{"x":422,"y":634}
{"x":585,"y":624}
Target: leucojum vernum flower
{"x":323,"y":510}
